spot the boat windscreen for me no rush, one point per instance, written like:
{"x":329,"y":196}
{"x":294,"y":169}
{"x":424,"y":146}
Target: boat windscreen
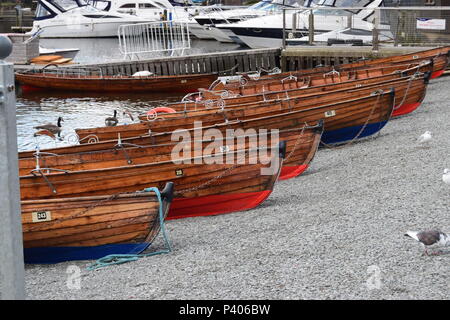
{"x":289,"y":3}
{"x":65,"y":5}
{"x":43,"y":13}
{"x":354,"y":3}
{"x":104,"y":5}
{"x":343,"y":4}
{"x":259,"y":5}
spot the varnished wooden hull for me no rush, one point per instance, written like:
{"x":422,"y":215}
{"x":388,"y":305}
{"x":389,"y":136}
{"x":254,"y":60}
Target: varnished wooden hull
{"x":194,"y":178}
{"x":85,"y":228}
{"x":293,"y":82}
{"x":408,"y":91}
{"x":370,"y":109}
{"x":301,"y":146}
{"x":180,"y":83}
{"x":226,"y":102}
{"x":438,"y":55}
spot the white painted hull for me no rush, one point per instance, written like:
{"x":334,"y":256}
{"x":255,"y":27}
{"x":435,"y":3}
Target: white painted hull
{"x":65,"y":53}
{"x":200,"y":32}
{"x":82,"y":30}
{"x":219,"y":35}
{"x":260,"y":42}
{"x":230,"y":35}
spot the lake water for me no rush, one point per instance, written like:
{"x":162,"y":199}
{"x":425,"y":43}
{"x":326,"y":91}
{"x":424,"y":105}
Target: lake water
{"x":89,"y":109}
{"x":107,"y":49}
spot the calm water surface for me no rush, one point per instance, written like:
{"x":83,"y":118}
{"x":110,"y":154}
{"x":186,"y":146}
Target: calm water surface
{"x":87,"y":110}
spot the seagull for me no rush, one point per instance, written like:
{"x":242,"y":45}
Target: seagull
{"x":425,"y":138}
{"x":430,"y":237}
{"x":446,"y":176}
{"x":50,"y":129}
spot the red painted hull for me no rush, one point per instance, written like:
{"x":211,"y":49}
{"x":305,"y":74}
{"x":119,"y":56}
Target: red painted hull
{"x":437,"y":74}
{"x":28,"y":89}
{"x":405,"y":109}
{"x":215,"y":204}
{"x":288,"y":172}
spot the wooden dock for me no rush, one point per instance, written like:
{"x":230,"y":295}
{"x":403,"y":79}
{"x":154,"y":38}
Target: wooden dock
{"x":289,"y":59}
{"x":241,"y":60}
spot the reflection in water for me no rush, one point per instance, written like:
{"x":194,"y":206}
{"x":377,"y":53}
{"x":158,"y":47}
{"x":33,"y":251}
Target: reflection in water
{"x":90,"y":110}
{"x":78,"y":111}
{"x":103,"y":50}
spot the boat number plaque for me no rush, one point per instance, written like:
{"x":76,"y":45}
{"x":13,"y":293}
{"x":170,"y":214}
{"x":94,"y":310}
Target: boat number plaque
{"x":41,"y":216}
{"x":179,"y":172}
{"x":330,"y":113}
{"x":183,"y":81}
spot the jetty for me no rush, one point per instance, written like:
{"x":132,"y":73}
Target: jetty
{"x":288,"y":59}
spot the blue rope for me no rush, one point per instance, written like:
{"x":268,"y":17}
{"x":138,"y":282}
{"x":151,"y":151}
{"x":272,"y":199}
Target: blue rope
{"x":114,"y":259}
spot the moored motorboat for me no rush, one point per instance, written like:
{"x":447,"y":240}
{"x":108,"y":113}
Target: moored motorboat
{"x":77,"y":19}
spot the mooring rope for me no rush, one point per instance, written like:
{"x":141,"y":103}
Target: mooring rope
{"x":114,"y":259}
{"x":413,"y":77}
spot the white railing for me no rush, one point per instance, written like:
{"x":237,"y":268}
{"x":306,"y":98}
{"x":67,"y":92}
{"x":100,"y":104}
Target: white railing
{"x":153,"y":38}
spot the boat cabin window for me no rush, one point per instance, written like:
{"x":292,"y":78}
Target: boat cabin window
{"x":162,"y":5}
{"x":128,"y":6}
{"x":147,"y":6}
{"x":100,"y":4}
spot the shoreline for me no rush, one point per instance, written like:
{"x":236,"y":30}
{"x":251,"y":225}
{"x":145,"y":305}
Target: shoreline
{"x":322,"y":235}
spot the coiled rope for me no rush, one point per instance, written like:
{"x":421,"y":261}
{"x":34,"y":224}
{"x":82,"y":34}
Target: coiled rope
{"x":114,"y":259}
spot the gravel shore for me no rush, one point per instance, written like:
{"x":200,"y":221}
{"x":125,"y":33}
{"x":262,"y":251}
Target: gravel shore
{"x":336,"y":232}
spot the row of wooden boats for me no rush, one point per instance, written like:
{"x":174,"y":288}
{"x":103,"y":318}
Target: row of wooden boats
{"x":87,"y":200}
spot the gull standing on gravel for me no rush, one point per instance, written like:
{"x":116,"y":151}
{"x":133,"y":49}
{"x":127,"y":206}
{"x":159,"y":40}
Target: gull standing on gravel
{"x":446,"y":176}
{"x":430,"y":237}
{"x":425,"y":138}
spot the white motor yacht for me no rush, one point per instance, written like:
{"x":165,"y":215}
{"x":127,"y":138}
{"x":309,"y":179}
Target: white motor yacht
{"x":267,"y":31}
{"x":207,"y":20}
{"x":151,"y":10}
{"x":77,"y":19}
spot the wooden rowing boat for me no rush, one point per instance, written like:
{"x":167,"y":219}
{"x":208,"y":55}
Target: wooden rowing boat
{"x":301,"y":146}
{"x":204,"y":185}
{"x":293,"y":82}
{"x":409,"y":92}
{"x":194,"y":102}
{"x":439,"y":57}
{"x":91,"y":227}
{"x":356,"y":118}
{"x":60,"y":81}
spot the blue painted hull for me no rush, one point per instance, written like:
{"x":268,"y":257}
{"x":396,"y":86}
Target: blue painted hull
{"x":349,"y":133}
{"x":44,"y":255}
